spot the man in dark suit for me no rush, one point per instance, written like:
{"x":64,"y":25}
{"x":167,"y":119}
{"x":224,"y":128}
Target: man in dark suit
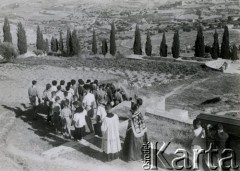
{"x":221,"y":138}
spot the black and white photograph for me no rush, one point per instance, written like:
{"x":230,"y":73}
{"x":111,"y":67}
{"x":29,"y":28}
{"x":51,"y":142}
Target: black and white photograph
{"x":125,"y":85}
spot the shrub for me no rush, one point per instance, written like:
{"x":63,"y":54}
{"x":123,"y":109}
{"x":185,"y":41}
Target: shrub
{"x":208,"y":49}
{"x":38,"y":52}
{"x":234,"y":53}
{"x":119,"y":55}
{"x":8,"y":52}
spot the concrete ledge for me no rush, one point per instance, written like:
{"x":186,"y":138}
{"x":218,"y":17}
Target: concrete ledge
{"x":172,"y":117}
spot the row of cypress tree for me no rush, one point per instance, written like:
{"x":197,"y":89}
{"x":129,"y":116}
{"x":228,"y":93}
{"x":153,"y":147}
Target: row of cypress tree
{"x":113,"y":47}
{"x":73,"y":46}
{"x":57,"y":45}
{"x":137,"y":47}
{"x":21,"y":35}
{"x":225,"y":53}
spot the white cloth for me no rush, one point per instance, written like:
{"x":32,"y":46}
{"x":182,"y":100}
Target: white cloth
{"x":198,"y":131}
{"x":60,"y":94}
{"x":89,"y":100}
{"x":62,"y":88}
{"x":101,"y":112}
{"x":110,"y":130}
{"x":79,"y":119}
{"x":53,"y":88}
{"x":66,"y":113}
{"x":69,"y":97}
{"x":71,"y":91}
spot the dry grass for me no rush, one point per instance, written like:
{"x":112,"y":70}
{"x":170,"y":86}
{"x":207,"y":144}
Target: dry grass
{"x":121,"y":64}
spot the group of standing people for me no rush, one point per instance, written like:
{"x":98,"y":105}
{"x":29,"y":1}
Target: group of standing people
{"x":73,"y":107}
{"x":213,"y":137}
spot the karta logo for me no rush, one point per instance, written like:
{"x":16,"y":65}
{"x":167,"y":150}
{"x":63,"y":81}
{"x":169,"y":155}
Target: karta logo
{"x":226,"y":159}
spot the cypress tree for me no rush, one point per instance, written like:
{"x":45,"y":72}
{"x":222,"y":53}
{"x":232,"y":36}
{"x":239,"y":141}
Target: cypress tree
{"x":199,"y":43}
{"x":57,"y":45}
{"x":104,"y":47}
{"x":215,"y":46}
{"x":61,"y":47}
{"x":113,"y":47}
{"x":7,"y":37}
{"x":163,"y":46}
{"x":69,"y":42}
{"x":53,"y":45}
{"x":75,"y":43}
{"x":42,"y":41}
{"x":22,"y":39}
{"x":176,"y":45}
{"x":39,"y":43}
{"x":46,"y":47}
{"x":234,"y":53}
{"x":94,"y":43}
{"x":137,"y":47}
{"x":225,"y":49}
{"x":148,"y":46}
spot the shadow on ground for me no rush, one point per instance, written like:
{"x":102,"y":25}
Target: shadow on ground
{"x":39,"y":126}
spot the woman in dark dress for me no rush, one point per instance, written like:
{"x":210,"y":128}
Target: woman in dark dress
{"x":136,"y":136}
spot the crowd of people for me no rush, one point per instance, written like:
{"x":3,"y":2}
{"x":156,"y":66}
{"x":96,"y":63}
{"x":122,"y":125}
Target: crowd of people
{"x":213,"y":137}
{"x":72,"y":107}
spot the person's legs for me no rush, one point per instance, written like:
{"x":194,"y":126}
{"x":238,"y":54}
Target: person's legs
{"x":33,"y":102}
{"x":89,"y":121}
{"x":49,"y":107}
{"x":97,"y":129}
{"x":68,"y":128}
{"x":60,"y":125}
{"x":78,"y":134}
{"x":83,"y":132}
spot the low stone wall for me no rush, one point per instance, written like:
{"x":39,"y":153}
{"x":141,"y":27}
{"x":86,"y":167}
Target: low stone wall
{"x":170,"y":120}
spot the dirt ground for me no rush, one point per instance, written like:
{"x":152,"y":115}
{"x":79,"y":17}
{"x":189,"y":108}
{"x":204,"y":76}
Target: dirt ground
{"x":24,"y":142}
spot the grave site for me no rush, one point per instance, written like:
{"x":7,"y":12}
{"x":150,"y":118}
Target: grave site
{"x":170,"y":109}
